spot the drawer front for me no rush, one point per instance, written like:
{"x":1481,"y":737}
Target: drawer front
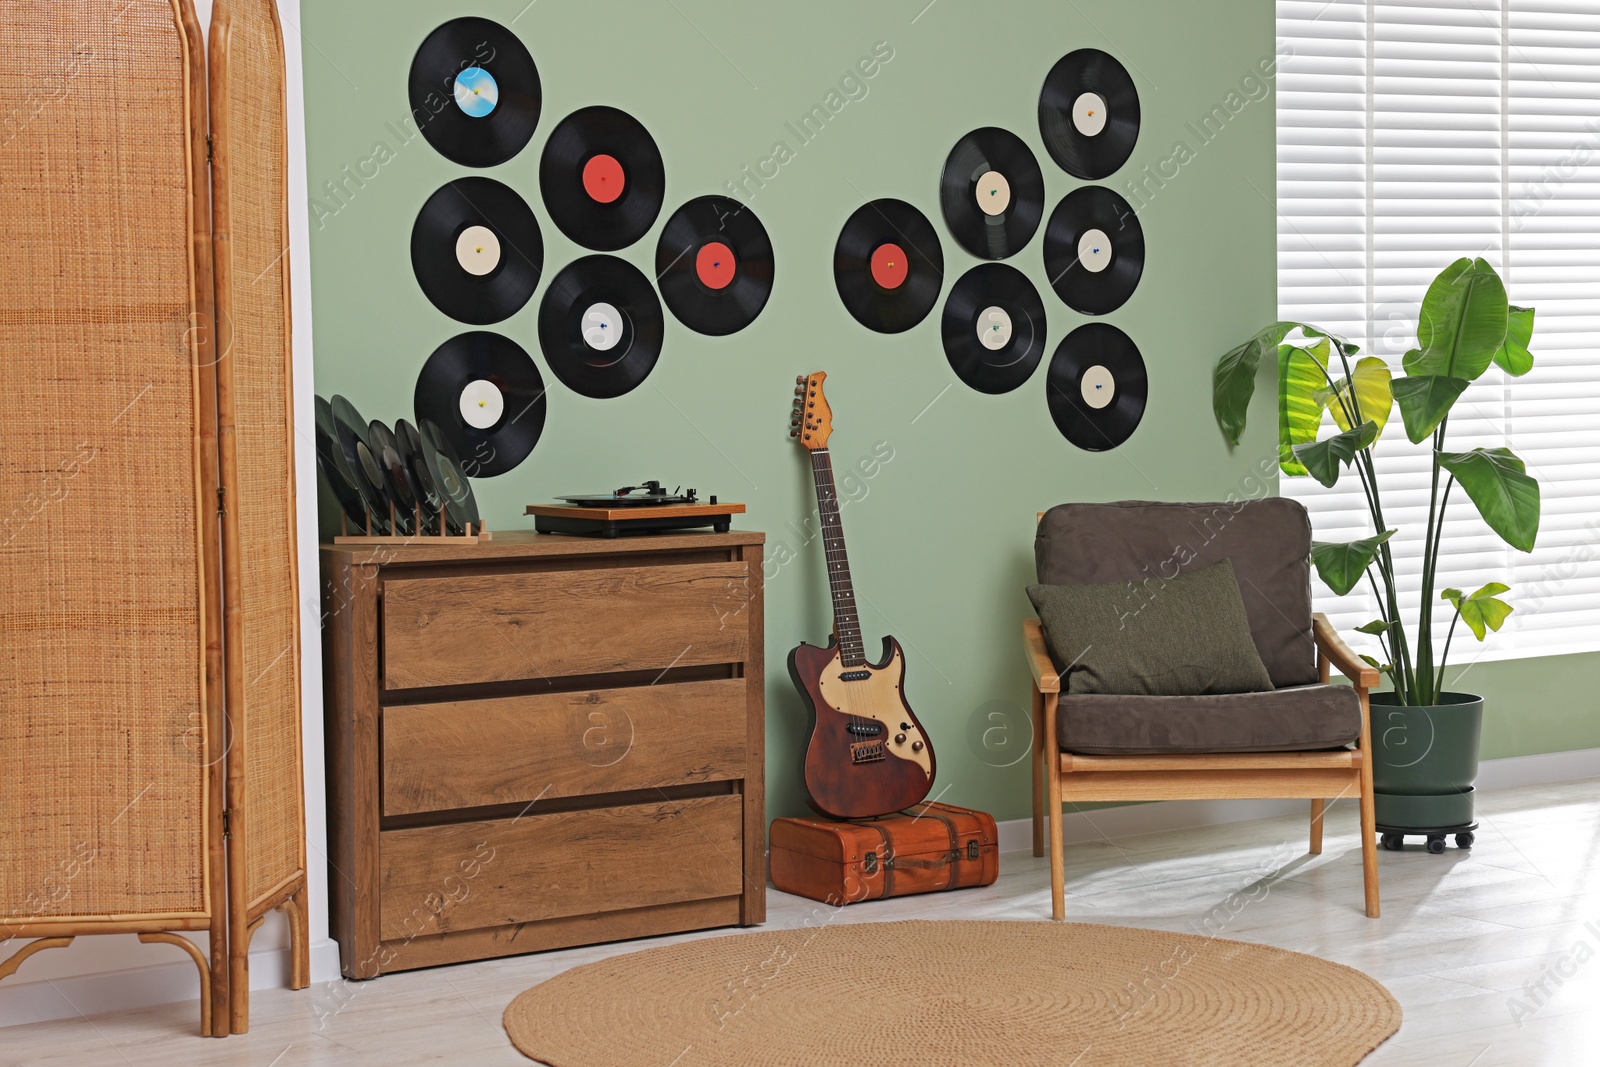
{"x":474,"y":753}
{"x":465,"y":876}
{"x":489,"y":628}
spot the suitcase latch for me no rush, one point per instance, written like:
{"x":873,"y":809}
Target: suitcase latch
{"x":871,"y":863}
{"x":972,"y":850}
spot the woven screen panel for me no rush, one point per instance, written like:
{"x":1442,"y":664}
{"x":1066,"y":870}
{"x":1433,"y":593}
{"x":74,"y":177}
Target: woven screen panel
{"x":253,"y":301}
{"x":102,"y":731}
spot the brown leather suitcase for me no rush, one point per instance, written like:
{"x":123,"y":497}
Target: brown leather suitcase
{"x":925,"y":849}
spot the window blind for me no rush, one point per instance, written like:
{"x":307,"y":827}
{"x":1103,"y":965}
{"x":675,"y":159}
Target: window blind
{"x":1410,"y":135}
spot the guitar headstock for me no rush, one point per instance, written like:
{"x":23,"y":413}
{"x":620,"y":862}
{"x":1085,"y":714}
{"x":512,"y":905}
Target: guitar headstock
{"x":812,"y":420}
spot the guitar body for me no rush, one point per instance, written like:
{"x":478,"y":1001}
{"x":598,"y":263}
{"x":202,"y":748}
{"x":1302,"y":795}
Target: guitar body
{"x":868,"y":754}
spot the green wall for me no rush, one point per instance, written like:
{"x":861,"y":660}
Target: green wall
{"x":941,"y":534}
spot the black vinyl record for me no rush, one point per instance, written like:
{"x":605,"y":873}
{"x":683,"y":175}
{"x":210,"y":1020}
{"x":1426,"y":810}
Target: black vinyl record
{"x":397,"y":480}
{"x":993,"y":328}
{"x":476,"y":250}
{"x":486,"y":397}
{"x":888,"y":265}
{"x":1094,"y":250}
{"x":714,"y":265}
{"x":350,"y":431}
{"x":409,"y":442}
{"x":475,"y":92}
{"x":335,"y":472}
{"x":600,"y":326}
{"x":1089,"y":114}
{"x":456,"y":500}
{"x":1097,"y":387}
{"x":992,"y":193}
{"x":602,"y":178}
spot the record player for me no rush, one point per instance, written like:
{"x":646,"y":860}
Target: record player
{"x":633,"y":509}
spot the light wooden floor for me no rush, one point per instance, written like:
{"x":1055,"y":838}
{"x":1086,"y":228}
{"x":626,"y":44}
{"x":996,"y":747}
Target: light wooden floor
{"x":1461,"y":936}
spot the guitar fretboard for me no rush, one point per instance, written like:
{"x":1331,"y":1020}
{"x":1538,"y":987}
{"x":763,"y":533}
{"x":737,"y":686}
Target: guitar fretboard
{"x":845,"y":621}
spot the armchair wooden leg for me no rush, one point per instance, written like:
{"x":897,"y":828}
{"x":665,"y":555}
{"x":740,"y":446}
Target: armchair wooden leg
{"x":1369,"y":821}
{"x":1052,"y":761}
{"x":1038,"y":757}
{"x":1316,"y":826}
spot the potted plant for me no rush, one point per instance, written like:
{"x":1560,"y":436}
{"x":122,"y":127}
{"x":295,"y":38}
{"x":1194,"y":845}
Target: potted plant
{"x":1426,"y":739}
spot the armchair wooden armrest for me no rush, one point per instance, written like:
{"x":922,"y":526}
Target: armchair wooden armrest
{"x":1331,"y":645}
{"x":1045,"y":678}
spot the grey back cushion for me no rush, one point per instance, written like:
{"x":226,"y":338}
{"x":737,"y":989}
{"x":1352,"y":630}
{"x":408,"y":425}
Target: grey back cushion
{"x":1268,"y":542}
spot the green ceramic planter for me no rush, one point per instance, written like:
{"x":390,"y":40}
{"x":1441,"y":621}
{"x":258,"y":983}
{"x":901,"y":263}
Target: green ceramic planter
{"x":1425,"y":761}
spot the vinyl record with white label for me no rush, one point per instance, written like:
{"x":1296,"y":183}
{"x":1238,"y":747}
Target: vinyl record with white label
{"x":475,"y":92}
{"x":476,"y":251}
{"x":1089,"y":114}
{"x":714,"y":265}
{"x":486,"y":397}
{"x":992,"y":193}
{"x":602,"y":178}
{"x":1093,"y":250}
{"x":888,"y":265}
{"x":600,"y":326}
{"x":993,"y":328}
{"x":1097,"y":387}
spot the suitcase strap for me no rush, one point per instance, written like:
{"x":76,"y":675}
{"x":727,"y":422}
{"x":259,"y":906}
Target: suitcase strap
{"x":950,"y":859}
{"x":887,"y":862}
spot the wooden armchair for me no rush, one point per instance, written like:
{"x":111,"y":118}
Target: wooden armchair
{"x":1270,"y":555}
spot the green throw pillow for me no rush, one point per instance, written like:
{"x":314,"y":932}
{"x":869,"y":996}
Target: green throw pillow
{"x":1183,"y":636}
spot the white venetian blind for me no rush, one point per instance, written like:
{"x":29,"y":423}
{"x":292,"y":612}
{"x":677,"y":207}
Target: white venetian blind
{"x":1410,"y":135}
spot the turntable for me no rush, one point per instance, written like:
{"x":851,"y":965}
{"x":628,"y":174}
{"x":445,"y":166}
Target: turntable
{"x":633,"y":509}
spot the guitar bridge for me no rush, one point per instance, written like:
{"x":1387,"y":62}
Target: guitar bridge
{"x":866,"y":752}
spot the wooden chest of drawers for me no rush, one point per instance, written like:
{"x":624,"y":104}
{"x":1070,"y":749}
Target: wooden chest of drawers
{"x":541,"y":741}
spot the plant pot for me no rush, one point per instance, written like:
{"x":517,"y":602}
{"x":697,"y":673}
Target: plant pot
{"x":1425,"y":759}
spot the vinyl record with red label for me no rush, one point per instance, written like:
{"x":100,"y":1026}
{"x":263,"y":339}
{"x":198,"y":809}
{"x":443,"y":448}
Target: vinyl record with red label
{"x":993,"y":328}
{"x":992,"y":193}
{"x":475,"y":92}
{"x":1089,"y":114}
{"x":486,"y":397}
{"x":1097,"y":387}
{"x":476,"y":251}
{"x":600,"y":326}
{"x":1094,"y":250}
{"x":602,"y":178}
{"x":714,"y":265}
{"x":888,"y":265}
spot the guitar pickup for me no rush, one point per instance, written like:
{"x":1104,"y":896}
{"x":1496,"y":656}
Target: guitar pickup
{"x":866,"y":752}
{"x":854,"y":676}
{"x":865,"y":729}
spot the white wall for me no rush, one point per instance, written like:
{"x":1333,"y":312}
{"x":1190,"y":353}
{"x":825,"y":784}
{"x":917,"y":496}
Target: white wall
{"x":97,"y":974}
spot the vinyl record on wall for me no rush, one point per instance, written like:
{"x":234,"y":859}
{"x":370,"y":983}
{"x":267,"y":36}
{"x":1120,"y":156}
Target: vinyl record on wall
{"x":992,"y":193}
{"x":456,"y":500}
{"x":993,"y":328}
{"x":600,"y":326}
{"x":602,"y":178}
{"x":888,"y":265}
{"x":1097,"y":387}
{"x":476,"y":251}
{"x":475,"y":92}
{"x":714,"y":265}
{"x":486,"y":397}
{"x":1094,"y":250}
{"x":1089,"y":114}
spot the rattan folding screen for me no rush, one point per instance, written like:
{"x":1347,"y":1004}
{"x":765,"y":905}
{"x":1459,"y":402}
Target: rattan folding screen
{"x":149,"y":650}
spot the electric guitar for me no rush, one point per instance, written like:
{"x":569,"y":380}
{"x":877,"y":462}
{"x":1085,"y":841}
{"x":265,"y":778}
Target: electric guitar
{"x":868,"y":755}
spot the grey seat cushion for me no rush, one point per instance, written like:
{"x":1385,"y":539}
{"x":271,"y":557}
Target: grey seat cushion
{"x":1268,"y":542}
{"x":1298,"y":719}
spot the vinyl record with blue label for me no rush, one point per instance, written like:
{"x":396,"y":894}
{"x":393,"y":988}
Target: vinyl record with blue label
{"x":714,"y":265}
{"x":1089,"y":114}
{"x":1094,"y":250}
{"x":888,"y":265}
{"x":993,"y":328}
{"x":486,"y":397}
{"x":600,"y":326}
{"x":602,"y":178}
{"x":476,"y":251}
{"x":1097,"y":387}
{"x":992,"y":193}
{"x":475,"y":92}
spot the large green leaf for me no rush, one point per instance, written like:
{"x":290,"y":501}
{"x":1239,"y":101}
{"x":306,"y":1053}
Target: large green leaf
{"x":1301,"y":382}
{"x":1498,"y":483}
{"x":1323,"y":458}
{"x":1424,"y":402}
{"x":1483,"y":610}
{"x":1513,"y":357}
{"x":1373,"y":397}
{"x":1233,"y":382}
{"x":1341,"y":565}
{"x":1462,"y":323}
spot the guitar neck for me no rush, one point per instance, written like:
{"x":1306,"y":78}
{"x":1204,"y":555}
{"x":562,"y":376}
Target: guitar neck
{"x":846,"y":623}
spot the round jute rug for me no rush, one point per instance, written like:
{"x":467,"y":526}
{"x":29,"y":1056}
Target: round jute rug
{"x":930,"y":994}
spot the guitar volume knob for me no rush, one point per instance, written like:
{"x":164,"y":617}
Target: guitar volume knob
{"x":916,"y":746}
{"x":899,"y":739}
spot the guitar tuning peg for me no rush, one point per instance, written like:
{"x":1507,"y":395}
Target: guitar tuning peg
{"x":800,"y":380}
{"x":794,"y":433}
